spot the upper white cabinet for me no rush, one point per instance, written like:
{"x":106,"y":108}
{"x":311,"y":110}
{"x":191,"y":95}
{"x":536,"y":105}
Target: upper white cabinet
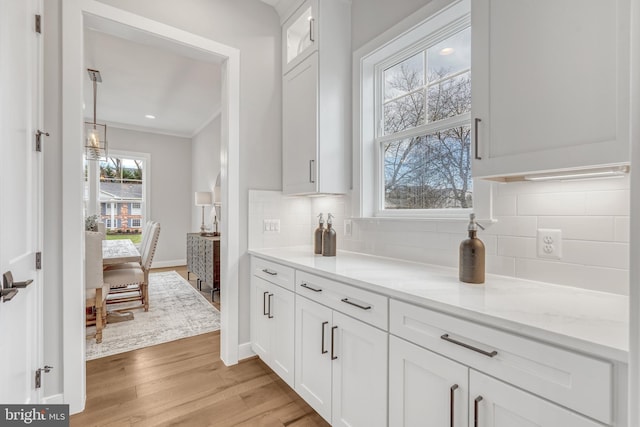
{"x":316,"y":107}
{"x":550,"y":85}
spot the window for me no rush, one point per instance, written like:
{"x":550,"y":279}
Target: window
{"x":136,"y":208}
{"x":135,"y":223}
{"x":414,"y":122}
{"x":424,"y":105}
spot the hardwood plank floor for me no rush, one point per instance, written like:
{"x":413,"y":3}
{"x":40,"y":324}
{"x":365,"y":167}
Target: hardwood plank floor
{"x":184,"y":383}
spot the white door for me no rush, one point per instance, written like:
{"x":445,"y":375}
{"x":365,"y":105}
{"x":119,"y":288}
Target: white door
{"x":300,"y":128}
{"x":21,"y":195}
{"x":425,"y":388}
{"x":259,"y":318}
{"x":359,"y":373}
{"x":281,"y":326}
{"x":493,"y":403}
{"x":313,"y":355}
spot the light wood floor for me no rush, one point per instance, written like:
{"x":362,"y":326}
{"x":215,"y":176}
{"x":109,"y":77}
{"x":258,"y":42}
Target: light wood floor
{"x":184,"y":383}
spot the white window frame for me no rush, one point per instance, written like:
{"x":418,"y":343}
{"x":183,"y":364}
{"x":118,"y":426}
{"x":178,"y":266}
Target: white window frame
{"x":139,"y":223}
{"x":434,"y":22}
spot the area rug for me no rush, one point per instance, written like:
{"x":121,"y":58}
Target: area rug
{"x":176,"y":310}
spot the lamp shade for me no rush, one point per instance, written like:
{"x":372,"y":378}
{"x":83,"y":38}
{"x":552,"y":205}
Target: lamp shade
{"x":204,"y":198}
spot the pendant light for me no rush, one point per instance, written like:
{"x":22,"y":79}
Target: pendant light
{"x":95,"y":134}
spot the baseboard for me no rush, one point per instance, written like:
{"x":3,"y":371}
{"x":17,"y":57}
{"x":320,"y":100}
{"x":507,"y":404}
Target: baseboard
{"x":244,"y":351}
{"x":54,"y":399}
{"x":170,"y":263}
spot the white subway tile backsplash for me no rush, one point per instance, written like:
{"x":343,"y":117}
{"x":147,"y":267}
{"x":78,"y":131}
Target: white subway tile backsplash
{"x":505,"y":205}
{"x":523,"y":226}
{"x":616,"y":202}
{"x":503,"y":265}
{"x":552,"y":204}
{"x":602,"y":254}
{"x":581,"y":227}
{"x":518,"y":247}
{"x":622,"y":229}
{"x":587,"y":277}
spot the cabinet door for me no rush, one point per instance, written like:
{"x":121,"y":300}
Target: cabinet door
{"x":313,"y":355}
{"x":300,"y":128}
{"x":359,"y":373}
{"x":550,"y":84}
{"x":300,"y":35}
{"x":281,"y":324}
{"x":425,"y":388}
{"x":260,"y":335}
{"x":496,"y":404}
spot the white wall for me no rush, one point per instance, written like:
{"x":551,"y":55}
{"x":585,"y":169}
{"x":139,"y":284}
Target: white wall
{"x":169,"y":187}
{"x":254,"y":28}
{"x":205,"y":167}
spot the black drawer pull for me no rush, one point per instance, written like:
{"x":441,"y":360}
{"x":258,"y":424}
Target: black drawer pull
{"x":269,"y":301}
{"x":264,"y":303}
{"x":333,"y":356}
{"x":272,"y":273}
{"x":452,"y":404}
{"x":470,"y":347}
{"x":323,"y":350}
{"x":311,"y":288}
{"x":368,"y":307}
{"x":475,"y":410}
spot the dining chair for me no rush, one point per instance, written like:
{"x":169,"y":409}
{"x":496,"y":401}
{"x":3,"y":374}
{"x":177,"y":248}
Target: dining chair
{"x":96,"y":289}
{"x":130,"y":281}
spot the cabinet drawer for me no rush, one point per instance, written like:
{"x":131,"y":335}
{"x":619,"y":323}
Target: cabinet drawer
{"x":273,"y":272}
{"x":573,"y":380}
{"x":363,"y":305}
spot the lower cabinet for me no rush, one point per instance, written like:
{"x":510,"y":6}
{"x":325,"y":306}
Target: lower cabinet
{"x":428,"y":389}
{"x":425,"y":388}
{"x":272,"y":326}
{"x":340,"y":366}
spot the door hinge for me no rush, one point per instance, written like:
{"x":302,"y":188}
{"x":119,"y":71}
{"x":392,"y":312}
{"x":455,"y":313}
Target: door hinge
{"x":46,"y":370}
{"x":39,"y":134}
{"x":38,"y":24}
{"x":38,"y":260}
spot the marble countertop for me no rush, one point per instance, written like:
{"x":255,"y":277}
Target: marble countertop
{"x":588,"y":321}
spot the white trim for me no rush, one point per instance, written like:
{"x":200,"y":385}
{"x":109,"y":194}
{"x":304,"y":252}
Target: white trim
{"x":169,"y":263}
{"x":74,"y":13}
{"x":244,"y":351}
{"x":155,"y":131}
{"x":206,"y":123}
{"x":54,"y":399}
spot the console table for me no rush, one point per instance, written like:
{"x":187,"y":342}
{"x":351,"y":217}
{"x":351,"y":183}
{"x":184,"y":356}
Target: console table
{"x":203,"y":260}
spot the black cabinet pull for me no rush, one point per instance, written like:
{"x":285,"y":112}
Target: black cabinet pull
{"x":311,"y":288}
{"x":264,"y":303}
{"x":269,"y":300}
{"x":333,"y":343}
{"x":470,"y":347}
{"x":272,"y":273}
{"x":323,"y":349}
{"x":475,"y":410}
{"x":452,"y":402}
{"x":368,"y":307}
{"x":476,"y":139}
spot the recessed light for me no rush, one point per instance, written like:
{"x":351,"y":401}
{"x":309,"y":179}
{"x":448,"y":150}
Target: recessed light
{"x":446,"y":51}
{"x":150,"y":116}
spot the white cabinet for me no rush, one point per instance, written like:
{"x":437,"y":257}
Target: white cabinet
{"x":425,"y":388}
{"x":316,"y":90}
{"x":550,"y":85}
{"x":496,"y":404}
{"x":341,"y":366}
{"x":272,"y":326}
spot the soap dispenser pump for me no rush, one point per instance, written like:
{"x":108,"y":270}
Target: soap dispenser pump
{"x":317,"y":236}
{"x":471,"y":263}
{"x":329,"y":238}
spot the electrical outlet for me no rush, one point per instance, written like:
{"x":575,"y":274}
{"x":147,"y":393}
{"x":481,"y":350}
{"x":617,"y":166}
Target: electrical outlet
{"x":271,"y":226}
{"x":347,"y":228}
{"x":549,"y":243}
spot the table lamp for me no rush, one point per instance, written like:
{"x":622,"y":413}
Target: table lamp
{"x":203,"y":198}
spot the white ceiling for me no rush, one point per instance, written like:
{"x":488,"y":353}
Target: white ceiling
{"x":142,"y":74}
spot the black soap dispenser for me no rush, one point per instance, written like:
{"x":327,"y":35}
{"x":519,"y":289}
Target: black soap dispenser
{"x":317,"y":236}
{"x":329,"y":239}
{"x":471,"y":263}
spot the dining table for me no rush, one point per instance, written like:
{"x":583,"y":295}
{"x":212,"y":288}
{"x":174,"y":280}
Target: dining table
{"x":119,"y":251}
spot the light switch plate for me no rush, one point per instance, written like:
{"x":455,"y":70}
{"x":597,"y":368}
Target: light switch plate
{"x":549,"y":243}
{"x":347,"y":227}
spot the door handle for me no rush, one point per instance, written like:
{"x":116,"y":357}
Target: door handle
{"x":269,"y":300}
{"x":311,"y":35}
{"x":269,"y":272}
{"x":470,"y":347}
{"x":8,"y":294}
{"x":323,"y":349}
{"x":452,"y":403}
{"x":264,"y":303}
{"x":311,"y":164}
{"x":311,"y":288}
{"x":8,"y":283}
{"x":363,"y":307}
{"x":475,"y":410}
{"x":333,"y":357}
{"x":476,"y":138}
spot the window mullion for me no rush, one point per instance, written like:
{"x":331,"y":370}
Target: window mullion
{"x":427,"y":128}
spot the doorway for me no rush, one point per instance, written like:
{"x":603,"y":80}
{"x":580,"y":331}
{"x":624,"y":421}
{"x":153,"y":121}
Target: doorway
{"x":75,"y":15}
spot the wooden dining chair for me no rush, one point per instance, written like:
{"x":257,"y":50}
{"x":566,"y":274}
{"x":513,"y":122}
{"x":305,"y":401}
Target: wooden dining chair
{"x":130,"y":281}
{"x":95,"y":288}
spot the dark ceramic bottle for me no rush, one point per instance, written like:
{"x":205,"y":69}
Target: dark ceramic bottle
{"x":471,"y":267}
{"x":317,"y":236}
{"x":329,"y":238}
